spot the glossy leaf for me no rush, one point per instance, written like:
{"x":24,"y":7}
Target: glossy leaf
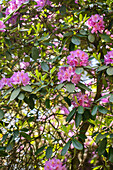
{"x":71,"y":114}
{"x":94,"y":110}
{"x":49,"y":152}
{"x":14,"y":94}
{"x":1,"y":114}
{"x":77,"y":144}
{"x":70,"y":87}
{"x":65,"y":148}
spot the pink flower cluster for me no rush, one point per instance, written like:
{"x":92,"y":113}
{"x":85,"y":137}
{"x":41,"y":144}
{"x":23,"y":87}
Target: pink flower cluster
{"x":14,"y":4}
{"x":2,"y":26}
{"x":54,"y":164}
{"x":108,"y":58}
{"x":96,"y":23}
{"x":17,"y":78}
{"x":68,"y":74}
{"x":82,"y":100}
{"x":78,"y":58}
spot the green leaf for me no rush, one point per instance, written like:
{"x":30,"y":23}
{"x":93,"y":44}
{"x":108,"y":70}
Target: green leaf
{"x":21,"y":96}
{"x":105,"y":37}
{"x":15,"y":134}
{"x":111,"y":98}
{"x":94,"y":110}
{"x":79,"y":70}
{"x":52,"y":70}
{"x":102,"y":146}
{"x":49,"y":152}
{"x":91,"y":38}
{"x":1,"y":114}
{"x":111,"y":154}
{"x":101,"y":136}
{"x":77,"y":144}
{"x":10,"y":146}
{"x":103,"y":97}
{"x":4,"y":137}
{"x":35,"y":53}
{"x":3,"y":153}
{"x":78,"y":119}
{"x":40,"y":150}
{"x":80,"y":109}
{"x":102,"y":68}
{"x":83,"y":86}
{"x":75,"y":40}
{"x":65,"y":148}
{"x":2,"y":148}
{"x":27,"y":59}
{"x":27,"y":88}
{"x":7,"y":92}
{"x":59,"y":86}
{"x":44,"y":66}
{"x":71,"y":46}
{"x":68,"y":34}
{"x":26,"y":136}
{"x":102,"y":109}
{"x":110,"y":71}
{"x":47,"y":103}
{"x":70,"y":87}
{"x":14,"y":94}
{"x":67,"y":100}
{"x":71,"y":114}
{"x":98,"y":167}
{"x":64,"y":128}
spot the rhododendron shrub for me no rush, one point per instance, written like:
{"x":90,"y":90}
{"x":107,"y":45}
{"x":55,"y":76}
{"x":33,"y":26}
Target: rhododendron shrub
{"x":56,"y":84}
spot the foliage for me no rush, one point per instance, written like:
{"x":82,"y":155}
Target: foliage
{"x":56,"y":84}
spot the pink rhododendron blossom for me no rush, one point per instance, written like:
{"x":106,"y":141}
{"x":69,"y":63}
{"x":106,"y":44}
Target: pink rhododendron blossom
{"x":54,"y":164}
{"x":2,"y":26}
{"x":17,"y":78}
{"x":77,"y":58}
{"x":82,"y":100}
{"x":96,"y":23}
{"x":108,"y":58}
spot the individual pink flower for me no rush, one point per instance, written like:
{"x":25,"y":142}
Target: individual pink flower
{"x":82,"y":100}
{"x":13,"y":20}
{"x":108,"y":58}
{"x":64,"y":110}
{"x":76,"y":78}
{"x":2,"y":26}
{"x":24,"y":65}
{"x":76,"y":1}
{"x":42,"y":3}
